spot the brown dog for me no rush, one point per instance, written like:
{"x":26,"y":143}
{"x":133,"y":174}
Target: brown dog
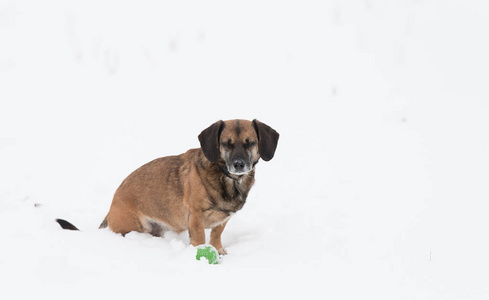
{"x":199,"y":189}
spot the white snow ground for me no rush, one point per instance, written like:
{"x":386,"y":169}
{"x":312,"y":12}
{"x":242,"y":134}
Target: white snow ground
{"x":379,"y":187}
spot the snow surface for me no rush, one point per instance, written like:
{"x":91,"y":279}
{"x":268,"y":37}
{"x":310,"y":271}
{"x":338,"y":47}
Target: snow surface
{"x":379,"y":187}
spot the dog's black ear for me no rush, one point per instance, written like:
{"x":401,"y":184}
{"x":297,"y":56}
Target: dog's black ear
{"x":267,"y":140}
{"x":209,"y":141}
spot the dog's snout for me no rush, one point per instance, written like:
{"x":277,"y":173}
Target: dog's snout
{"x":239,"y":164}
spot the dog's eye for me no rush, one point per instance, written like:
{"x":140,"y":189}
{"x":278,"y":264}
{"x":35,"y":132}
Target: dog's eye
{"x":249,"y":144}
{"x":228,"y":144}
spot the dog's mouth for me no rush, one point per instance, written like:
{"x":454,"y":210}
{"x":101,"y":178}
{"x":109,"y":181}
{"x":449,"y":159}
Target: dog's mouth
{"x":239,"y":167}
{"x":238,"y":173}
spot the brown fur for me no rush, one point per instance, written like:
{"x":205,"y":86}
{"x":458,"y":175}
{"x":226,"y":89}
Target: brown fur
{"x":196,"y":190}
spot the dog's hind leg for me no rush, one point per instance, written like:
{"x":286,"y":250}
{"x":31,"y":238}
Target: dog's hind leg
{"x":121,"y":219}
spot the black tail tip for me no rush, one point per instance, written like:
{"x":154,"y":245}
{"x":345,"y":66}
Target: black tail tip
{"x":66,"y":225}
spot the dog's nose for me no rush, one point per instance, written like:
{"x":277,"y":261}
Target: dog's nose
{"x":239,"y":164}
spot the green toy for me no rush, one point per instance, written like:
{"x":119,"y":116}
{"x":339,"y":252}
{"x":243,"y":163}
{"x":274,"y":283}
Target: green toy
{"x":208,"y":252}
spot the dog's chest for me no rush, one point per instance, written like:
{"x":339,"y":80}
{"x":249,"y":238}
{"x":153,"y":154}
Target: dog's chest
{"x":234,"y":194}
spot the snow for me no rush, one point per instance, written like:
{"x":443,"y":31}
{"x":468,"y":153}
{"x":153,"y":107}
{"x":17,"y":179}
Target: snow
{"x":379,"y":184}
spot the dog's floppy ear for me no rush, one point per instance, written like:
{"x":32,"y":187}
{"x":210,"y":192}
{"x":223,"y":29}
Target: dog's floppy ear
{"x":267,"y":139}
{"x":209,"y":141}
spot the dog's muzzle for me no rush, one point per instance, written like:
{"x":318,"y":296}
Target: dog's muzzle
{"x":239,"y":167}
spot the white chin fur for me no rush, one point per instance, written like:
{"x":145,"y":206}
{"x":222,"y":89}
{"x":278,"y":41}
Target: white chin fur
{"x":232,"y":172}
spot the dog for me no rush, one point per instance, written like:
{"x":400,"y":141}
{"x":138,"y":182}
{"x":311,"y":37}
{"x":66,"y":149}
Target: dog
{"x":199,"y":189}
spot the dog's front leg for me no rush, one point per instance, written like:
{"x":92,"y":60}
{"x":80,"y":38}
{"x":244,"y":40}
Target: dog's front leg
{"x":196,"y":228}
{"x":216,"y":238}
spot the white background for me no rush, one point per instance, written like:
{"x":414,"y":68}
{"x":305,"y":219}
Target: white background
{"x":378,"y":189}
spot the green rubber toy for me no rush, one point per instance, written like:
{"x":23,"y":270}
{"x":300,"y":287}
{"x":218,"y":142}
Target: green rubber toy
{"x":208,"y":252}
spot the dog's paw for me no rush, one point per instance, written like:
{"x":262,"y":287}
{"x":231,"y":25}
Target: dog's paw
{"x":222,"y":251}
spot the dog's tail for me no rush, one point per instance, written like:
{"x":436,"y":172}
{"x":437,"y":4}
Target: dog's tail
{"x":66,"y":225}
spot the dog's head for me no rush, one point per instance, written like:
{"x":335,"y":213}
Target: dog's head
{"x":238,"y":144}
